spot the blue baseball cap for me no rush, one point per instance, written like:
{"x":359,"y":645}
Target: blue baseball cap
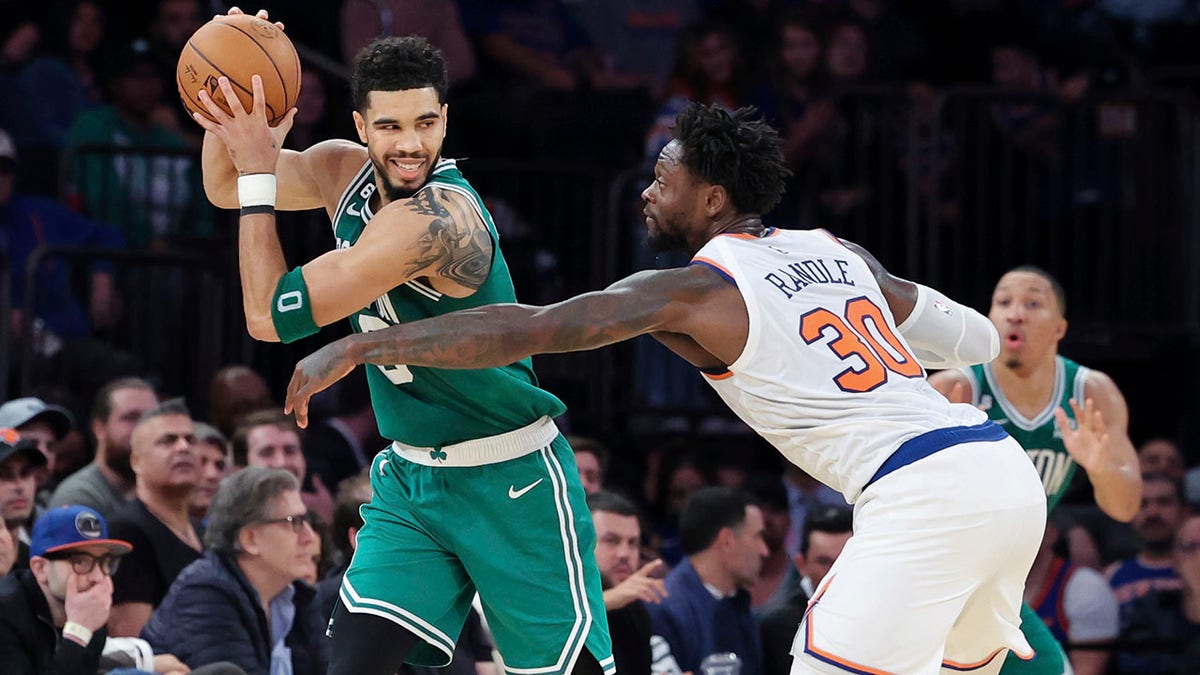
{"x":71,"y":527}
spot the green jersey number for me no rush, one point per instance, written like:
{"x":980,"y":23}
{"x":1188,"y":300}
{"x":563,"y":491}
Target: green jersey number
{"x":397,"y":374}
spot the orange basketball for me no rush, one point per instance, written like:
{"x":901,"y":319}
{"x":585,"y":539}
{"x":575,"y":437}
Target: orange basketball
{"x":238,"y":47}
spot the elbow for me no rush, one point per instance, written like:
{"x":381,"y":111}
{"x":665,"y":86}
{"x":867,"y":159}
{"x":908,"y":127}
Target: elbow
{"x":1124,"y":513}
{"x":220,"y":195}
{"x":261,"y":328}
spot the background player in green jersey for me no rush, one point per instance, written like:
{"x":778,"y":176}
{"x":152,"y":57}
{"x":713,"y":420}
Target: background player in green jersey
{"x":1031,"y":391}
{"x":479,"y":491}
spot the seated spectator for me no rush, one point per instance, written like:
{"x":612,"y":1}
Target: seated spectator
{"x":628,"y":584}
{"x":242,"y":602}
{"x":1164,"y":622}
{"x":1161,"y":455}
{"x":20,"y":461}
{"x":826,"y":532}
{"x":777,"y":566}
{"x":31,"y":222}
{"x":1151,"y":571}
{"x":34,"y":420}
{"x":1155,"y":523}
{"x":148,"y":189}
{"x":236,"y":391}
{"x":707,"y":608}
{"x":53,"y":615}
{"x":591,"y":458}
{"x":707,"y":69}
{"x":272,"y":440}
{"x":62,"y":81}
{"x":1075,"y":603}
{"x":157,"y":521}
{"x":213,"y":451}
{"x":107,"y":484}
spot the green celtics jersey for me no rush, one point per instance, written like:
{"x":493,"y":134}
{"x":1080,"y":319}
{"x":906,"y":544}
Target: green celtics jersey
{"x":429,"y":407}
{"x":1039,"y":435}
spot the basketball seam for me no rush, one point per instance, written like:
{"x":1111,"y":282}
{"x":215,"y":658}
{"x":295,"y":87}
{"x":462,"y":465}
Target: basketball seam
{"x":270,"y":60}
{"x":231,"y":80}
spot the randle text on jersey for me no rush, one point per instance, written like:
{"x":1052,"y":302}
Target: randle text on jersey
{"x":796,"y":276}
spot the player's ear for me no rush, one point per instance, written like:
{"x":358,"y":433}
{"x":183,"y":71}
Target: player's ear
{"x":798,"y":561}
{"x":360,"y":124}
{"x":715,"y":199}
{"x":1061,"y":330}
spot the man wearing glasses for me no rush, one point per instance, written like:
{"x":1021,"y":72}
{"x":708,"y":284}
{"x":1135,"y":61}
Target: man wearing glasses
{"x":243,"y":602}
{"x":53,"y":615}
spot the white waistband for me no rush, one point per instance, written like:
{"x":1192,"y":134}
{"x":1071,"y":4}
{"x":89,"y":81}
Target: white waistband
{"x":480,"y":451}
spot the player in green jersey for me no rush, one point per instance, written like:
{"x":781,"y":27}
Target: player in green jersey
{"x":478,"y":491}
{"x":1031,"y":391}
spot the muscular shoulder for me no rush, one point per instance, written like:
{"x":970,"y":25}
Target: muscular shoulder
{"x":333,"y":164}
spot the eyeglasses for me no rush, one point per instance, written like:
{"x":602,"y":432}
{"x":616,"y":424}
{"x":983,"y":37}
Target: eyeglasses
{"x":296,"y":522}
{"x":82,"y":563}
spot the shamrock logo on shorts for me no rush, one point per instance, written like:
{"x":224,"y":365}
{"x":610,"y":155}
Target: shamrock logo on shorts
{"x":439,"y":455}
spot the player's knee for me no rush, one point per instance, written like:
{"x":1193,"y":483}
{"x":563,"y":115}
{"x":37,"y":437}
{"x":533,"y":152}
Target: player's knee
{"x":365,"y":644}
{"x":587,"y":664}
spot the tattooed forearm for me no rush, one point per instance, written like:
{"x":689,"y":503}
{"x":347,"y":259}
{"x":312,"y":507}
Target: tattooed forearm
{"x":497,"y":335}
{"x":456,"y":246}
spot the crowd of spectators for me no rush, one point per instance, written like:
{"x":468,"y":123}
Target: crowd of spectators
{"x":233,"y":526}
{"x":179,"y":546}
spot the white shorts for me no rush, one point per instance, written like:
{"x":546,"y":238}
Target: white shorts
{"x":933,"y":576}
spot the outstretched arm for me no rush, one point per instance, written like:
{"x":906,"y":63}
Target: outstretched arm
{"x":497,"y":335}
{"x":1100,"y":444}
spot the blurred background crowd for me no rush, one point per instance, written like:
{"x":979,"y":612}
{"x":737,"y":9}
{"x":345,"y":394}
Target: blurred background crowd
{"x":953,"y":138}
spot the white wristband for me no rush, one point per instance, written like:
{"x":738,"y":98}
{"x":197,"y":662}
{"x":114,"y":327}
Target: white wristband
{"x":256,"y":189}
{"x":72,"y":629}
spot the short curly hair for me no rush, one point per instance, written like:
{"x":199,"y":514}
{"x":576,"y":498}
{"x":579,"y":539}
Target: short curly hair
{"x":396,"y":64}
{"x":736,"y":150}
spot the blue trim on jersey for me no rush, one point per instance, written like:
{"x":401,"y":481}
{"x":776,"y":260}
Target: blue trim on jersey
{"x":716,"y":269}
{"x":930,"y":442}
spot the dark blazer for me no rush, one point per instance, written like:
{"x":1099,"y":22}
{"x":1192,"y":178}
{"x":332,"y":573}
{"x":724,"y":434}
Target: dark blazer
{"x":29,"y":642}
{"x":213,"y":614}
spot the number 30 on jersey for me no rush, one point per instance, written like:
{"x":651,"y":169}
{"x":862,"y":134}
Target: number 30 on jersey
{"x":863,"y":332}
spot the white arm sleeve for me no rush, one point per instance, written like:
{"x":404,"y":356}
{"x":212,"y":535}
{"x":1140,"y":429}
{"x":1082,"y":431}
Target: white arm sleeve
{"x":944,"y":334}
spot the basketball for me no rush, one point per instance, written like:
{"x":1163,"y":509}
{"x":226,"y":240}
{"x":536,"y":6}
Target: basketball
{"x":239,"y":46}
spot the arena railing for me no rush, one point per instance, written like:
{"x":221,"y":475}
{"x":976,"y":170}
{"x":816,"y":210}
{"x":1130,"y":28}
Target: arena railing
{"x":171,"y":321}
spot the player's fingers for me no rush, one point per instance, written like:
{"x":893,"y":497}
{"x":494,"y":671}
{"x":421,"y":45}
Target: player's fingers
{"x":285,"y":125}
{"x":301,"y":408}
{"x":236,"y":108}
{"x":218,"y":113}
{"x":234,"y":10}
{"x":262,"y":14}
{"x":259,"y":107}
{"x":206,"y":123}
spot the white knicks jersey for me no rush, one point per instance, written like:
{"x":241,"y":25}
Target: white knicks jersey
{"x":825,"y":376}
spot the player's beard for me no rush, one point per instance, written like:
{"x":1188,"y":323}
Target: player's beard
{"x":664,"y":239}
{"x":1013,"y":363}
{"x":395,"y":193}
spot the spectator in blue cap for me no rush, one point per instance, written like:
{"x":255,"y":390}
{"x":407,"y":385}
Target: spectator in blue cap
{"x":53,"y":615}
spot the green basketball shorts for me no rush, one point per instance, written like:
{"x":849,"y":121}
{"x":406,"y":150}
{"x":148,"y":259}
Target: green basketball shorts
{"x":505,"y":517}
